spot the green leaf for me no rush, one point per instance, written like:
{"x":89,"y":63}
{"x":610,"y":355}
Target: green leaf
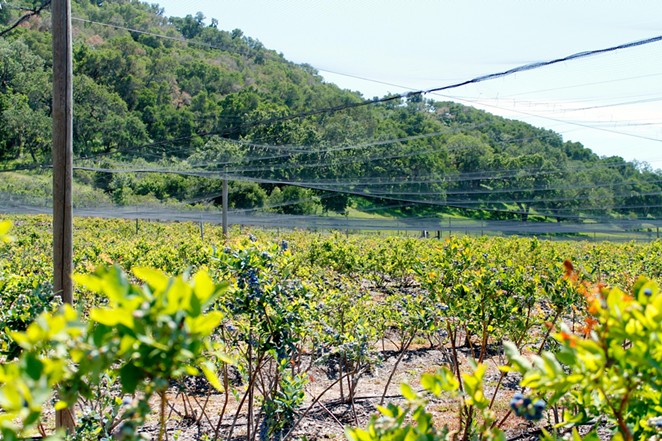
{"x":408,"y":392}
{"x":8,"y":434}
{"x":593,"y":436}
{"x":358,"y":435}
{"x":204,"y":325}
{"x":203,"y":286}
{"x":618,"y":436}
{"x":33,"y":366}
{"x":154,"y":278}
{"x":441,"y":381}
{"x":209,"y":370}
{"x":5,"y":226}
{"x":111,"y":282}
{"x":130,"y":376}
{"x":195,"y":306}
{"x":567,"y":356}
{"x":385,"y":411}
{"x":90,"y":281}
{"x":178,"y":296}
{"x":32,"y":417}
{"x":520,"y":364}
{"x":112,"y":317}
{"x":190,"y":370}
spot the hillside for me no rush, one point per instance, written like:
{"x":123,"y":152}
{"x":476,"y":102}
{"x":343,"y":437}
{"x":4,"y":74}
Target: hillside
{"x":181,"y":96}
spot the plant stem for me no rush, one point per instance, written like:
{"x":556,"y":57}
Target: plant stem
{"x":467,"y":424}
{"x":241,"y":404}
{"x":162,"y":419}
{"x":225,"y":402}
{"x":456,"y":361}
{"x":395,"y":366}
{"x":542,"y":345}
{"x":296,"y":424}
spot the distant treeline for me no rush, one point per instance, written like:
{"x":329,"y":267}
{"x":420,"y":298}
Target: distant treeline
{"x":221,"y":103}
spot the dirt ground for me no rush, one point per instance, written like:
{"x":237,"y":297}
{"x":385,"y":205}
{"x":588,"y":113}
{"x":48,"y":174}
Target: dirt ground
{"x":193,"y":409}
{"x":194,"y":406}
{"x":327,"y":418}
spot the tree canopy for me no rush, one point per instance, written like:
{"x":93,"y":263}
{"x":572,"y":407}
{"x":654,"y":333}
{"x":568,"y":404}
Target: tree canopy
{"x":182,"y":94}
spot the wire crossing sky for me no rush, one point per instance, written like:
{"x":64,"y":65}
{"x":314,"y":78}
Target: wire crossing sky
{"x":608,"y":102}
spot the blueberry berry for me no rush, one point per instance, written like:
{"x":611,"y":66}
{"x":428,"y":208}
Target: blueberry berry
{"x":525,"y":408}
{"x":540,"y":404}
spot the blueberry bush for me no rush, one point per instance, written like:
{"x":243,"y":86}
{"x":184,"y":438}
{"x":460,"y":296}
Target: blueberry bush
{"x":254,"y":335}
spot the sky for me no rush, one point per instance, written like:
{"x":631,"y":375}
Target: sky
{"x":611,"y":103}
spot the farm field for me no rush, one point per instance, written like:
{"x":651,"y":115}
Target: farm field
{"x":299,"y":335}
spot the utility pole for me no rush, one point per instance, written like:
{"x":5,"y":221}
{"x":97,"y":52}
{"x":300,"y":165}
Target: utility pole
{"x":62,"y":166}
{"x":225,"y":207}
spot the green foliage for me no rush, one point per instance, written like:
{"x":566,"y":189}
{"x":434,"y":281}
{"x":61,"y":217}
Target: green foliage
{"x":612,"y":373}
{"x":20,"y":303}
{"x":246,"y":195}
{"x":103,"y":122}
{"x":5,"y":226}
{"x":281,"y":409}
{"x":269,"y":313}
{"x":146,"y":336}
{"x":229,"y":110}
{"x":299,"y":301}
{"x":159,"y":329}
{"x":19,"y":310}
{"x":414,"y":422}
{"x":294,"y":200}
{"x":347,"y":334}
{"x":26,"y":384}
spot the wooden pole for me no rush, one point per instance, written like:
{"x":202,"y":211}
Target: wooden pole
{"x":62,"y":166}
{"x":225,"y":207}
{"x":62,"y":150}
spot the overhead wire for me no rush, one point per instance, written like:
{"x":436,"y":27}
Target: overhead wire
{"x":482,"y":78}
{"x":522,"y":68}
{"x":434,"y":90}
{"x":29,"y":13}
{"x":494,"y":174}
{"x":299,"y":164}
{"x":394,"y":195}
{"x":437,"y":178}
{"x":603,"y":129}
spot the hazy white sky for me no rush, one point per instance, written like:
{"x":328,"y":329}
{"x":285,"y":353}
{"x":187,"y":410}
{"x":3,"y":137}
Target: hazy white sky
{"x":611,"y":103}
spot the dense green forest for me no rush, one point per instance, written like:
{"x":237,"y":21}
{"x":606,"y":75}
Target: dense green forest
{"x":184,"y":96}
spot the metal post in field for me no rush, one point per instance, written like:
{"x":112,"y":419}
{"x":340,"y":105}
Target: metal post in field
{"x":225,"y":207}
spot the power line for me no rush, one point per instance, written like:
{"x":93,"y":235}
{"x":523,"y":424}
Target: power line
{"x":31,"y":12}
{"x":593,"y":83}
{"x":394,"y":195}
{"x":438,"y":178}
{"x":579,"y":124}
{"x":625,"y":103}
{"x":561,"y":121}
{"x":401,"y":96}
{"x":389,"y":98}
